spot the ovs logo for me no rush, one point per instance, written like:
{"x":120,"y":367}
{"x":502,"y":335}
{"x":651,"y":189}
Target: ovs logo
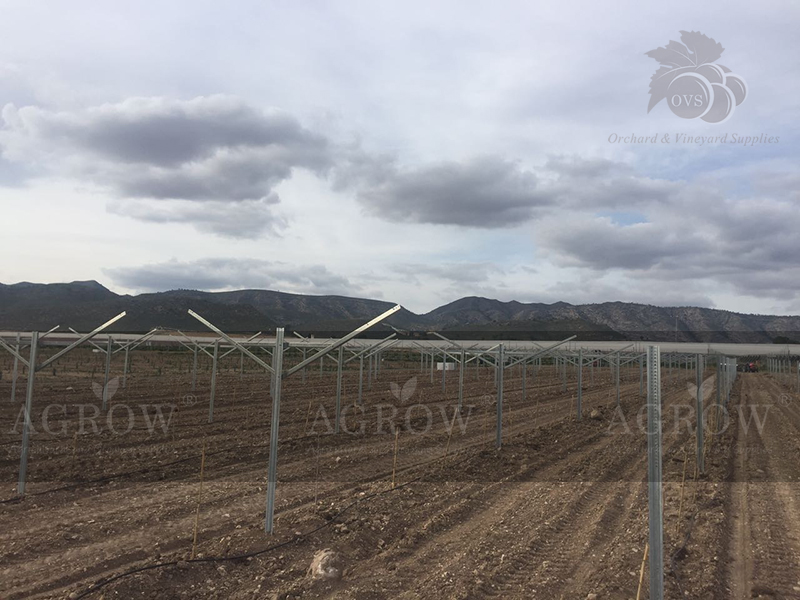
{"x":693,"y":85}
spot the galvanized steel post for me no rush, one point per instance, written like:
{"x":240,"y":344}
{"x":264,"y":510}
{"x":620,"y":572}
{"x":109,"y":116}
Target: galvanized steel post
{"x":701,"y":467}
{"x":444,"y":370}
{"x":194,"y":370}
{"x":275,"y":388}
{"x":14,"y":372}
{"x":26,"y":426}
{"x":655,"y":499}
{"x":107,"y":373}
{"x":580,"y":382}
{"x":339,"y":388}
{"x":461,"y":367}
{"x":360,"y":379}
{"x":125,"y":369}
{"x":500,"y":366}
{"x":213,"y":382}
{"x":641,"y":376}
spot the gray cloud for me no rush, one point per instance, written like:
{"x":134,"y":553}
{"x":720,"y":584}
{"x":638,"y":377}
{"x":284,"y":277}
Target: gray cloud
{"x":486,"y":192}
{"x":232,"y":273}
{"x":740,"y":244}
{"x":492,"y":192}
{"x":247,"y":219}
{"x":597,"y":183}
{"x":169,"y":133}
{"x":209,"y":149}
{"x":600,"y":244}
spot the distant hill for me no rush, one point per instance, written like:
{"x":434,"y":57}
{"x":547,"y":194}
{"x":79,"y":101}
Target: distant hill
{"x":86,"y":304}
{"x":633,"y":321}
{"x":298,"y":310}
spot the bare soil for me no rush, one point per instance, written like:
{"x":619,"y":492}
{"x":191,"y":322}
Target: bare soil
{"x":560,"y":511}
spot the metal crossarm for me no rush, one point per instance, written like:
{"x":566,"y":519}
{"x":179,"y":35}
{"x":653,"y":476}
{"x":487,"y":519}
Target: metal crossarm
{"x":333,"y":346}
{"x":479,"y":355}
{"x":48,"y":332}
{"x":14,"y":353}
{"x":196,"y":345}
{"x":250,"y":339}
{"x":230,"y":340}
{"x":368,"y":348}
{"x":138,"y":341}
{"x":98,"y":346}
{"x":83,"y":339}
{"x":542,"y":353}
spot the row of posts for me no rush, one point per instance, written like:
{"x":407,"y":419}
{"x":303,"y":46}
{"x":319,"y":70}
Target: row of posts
{"x":725,"y":377}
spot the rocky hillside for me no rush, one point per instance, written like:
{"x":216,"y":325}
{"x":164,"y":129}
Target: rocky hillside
{"x":634,"y":321}
{"x":85,"y":304}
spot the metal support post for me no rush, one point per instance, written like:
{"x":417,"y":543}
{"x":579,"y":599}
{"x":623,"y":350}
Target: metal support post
{"x":107,"y":373}
{"x":213,"y":382}
{"x":339,"y":388}
{"x":580,"y":383}
{"x":369,"y":373}
{"x":360,"y":379}
{"x":26,"y":426}
{"x":15,"y":372}
{"x":194,"y":370}
{"x":461,"y":367}
{"x":125,"y":369}
{"x":500,"y":366}
{"x":275,"y":388}
{"x":444,"y":369}
{"x":701,"y":467}
{"x":655,"y":499}
{"x":641,"y":376}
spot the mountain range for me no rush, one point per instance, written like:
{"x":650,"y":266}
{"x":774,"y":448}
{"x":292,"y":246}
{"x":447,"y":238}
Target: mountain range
{"x":85,"y":304}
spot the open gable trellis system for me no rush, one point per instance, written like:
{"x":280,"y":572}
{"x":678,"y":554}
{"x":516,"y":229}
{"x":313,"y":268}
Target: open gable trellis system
{"x":33,"y":368}
{"x":277,"y":373}
{"x":501,"y":357}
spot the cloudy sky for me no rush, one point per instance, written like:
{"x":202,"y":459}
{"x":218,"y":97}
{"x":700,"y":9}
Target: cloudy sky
{"x":415,"y":152}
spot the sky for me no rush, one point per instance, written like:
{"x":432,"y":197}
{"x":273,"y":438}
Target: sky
{"x":416,"y":152}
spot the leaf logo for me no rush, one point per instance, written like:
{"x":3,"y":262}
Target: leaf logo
{"x":691,"y":81}
{"x":708,"y":386}
{"x":111,"y":388}
{"x":404,"y":393}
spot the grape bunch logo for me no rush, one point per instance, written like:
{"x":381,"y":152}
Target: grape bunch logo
{"x":692,"y":82}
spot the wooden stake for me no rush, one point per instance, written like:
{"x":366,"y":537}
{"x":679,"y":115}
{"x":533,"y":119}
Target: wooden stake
{"x":641,"y":571}
{"x":394,"y":462}
{"x":199,"y":498}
